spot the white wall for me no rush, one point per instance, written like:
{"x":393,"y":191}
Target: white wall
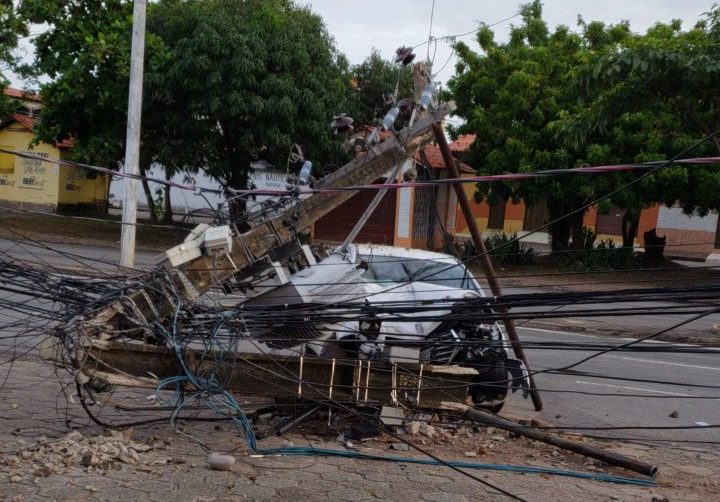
{"x":185,"y":200}
{"x":673,"y":217}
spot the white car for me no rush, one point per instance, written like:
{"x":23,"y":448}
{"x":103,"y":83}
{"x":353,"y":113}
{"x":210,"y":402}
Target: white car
{"x":396,"y":305}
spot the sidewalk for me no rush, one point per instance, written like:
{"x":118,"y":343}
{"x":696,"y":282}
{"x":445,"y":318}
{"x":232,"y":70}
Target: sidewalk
{"x":172,"y":466}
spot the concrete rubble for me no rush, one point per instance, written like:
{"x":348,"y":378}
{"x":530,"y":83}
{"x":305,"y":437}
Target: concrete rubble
{"x":106,"y":452}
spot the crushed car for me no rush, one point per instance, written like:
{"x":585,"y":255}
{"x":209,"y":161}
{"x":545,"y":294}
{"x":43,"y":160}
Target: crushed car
{"x":361,"y":291}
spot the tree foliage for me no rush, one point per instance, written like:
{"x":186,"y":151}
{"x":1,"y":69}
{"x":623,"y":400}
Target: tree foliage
{"x":653,"y":99}
{"x":373,"y":83}
{"x":226,"y":82}
{"x":85,"y":54}
{"x":11,"y":30}
{"x":510,"y":95}
{"x":245,"y":79}
{"x":560,"y":99}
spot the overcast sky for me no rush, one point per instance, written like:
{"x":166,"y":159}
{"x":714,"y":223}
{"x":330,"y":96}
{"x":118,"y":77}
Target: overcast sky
{"x":359,"y":26}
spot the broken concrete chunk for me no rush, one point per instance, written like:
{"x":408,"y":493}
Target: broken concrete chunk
{"x":126,"y":459}
{"x":470,"y":454}
{"x":221,"y":462}
{"x":73,"y":436}
{"x":400,"y":446}
{"x":89,"y":459}
{"x":391,"y":415}
{"x":427,"y":430}
{"x":412,"y":428}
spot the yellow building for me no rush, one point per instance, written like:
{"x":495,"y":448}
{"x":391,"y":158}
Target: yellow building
{"x":35,"y":184}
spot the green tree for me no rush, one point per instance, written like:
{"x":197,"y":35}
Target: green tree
{"x":511,"y":95}
{"x":245,"y":79}
{"x":556,"y":100}
{"x":85,"y":54}
{"x":12,"y":28}
{"x":655,"y":97}
{"x":373,"y":84}
{"x":226,"y":82}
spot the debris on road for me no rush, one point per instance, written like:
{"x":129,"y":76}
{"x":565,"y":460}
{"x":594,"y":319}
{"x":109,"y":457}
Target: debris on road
{"x":103,"y":452}
{"x":221,"y":462}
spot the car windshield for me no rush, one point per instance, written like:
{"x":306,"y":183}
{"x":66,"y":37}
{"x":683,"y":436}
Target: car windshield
{"x":397,"y":269}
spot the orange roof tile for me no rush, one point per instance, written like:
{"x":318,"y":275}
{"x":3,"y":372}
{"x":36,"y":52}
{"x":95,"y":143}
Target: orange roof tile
{"x":20,"y":94}
{"x":462,"y":143}
{"x":24,"y":120}
{"x":382,"y":134}
{"x":29,"y":122}
{"x":436,"y":161}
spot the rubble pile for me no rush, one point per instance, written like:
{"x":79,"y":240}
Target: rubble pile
{"x":97,"y":453}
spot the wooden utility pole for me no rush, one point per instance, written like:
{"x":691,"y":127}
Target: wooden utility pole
{"x":132,"y":140}
{"x":485,"y":261}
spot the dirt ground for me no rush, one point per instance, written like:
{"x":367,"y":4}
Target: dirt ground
{"x":49,"y":450}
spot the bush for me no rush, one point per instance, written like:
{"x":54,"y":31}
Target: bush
{"x":601,"y":256}
{"x":503,"y":250}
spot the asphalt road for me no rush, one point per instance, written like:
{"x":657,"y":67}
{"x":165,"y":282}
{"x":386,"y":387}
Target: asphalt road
{"x":707,"y":327}
{"x":581,"y":400}
{"x":72,"y":256}
{"x":572,"y":400}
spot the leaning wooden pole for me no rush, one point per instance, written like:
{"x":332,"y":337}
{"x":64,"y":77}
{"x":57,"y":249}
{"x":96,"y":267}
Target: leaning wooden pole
{"x":485,"y":261}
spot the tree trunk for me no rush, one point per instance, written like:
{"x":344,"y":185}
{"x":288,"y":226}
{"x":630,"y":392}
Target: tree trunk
{"x":148,"y":195}
{"x":168,"y":212}
{"x":576,"y":228}
{"x":237,"y":206}
{"x":560,"y":231}
{"x":630,"y":223}
{"x":106,"y":205}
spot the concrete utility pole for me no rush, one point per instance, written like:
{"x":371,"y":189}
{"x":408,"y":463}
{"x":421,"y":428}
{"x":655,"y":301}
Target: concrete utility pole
{"x":132,"y":140}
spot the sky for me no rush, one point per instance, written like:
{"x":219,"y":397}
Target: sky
{"x":386,"y":25}
{"x":358,"y":27}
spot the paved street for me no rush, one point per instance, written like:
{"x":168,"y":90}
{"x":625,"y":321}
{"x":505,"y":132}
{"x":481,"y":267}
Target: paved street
{"x":582,"y":399}
{"x":562,"y":407}
{"x":72,"y":256}
{"x":652,"y":410}
{"x":36,"y":409}
{"x":706,"y":328}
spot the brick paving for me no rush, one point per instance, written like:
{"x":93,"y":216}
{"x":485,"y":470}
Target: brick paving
{"x":33,"y":409}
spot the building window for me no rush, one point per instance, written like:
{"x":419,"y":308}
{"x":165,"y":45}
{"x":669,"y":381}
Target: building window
{"x":7,"y":160}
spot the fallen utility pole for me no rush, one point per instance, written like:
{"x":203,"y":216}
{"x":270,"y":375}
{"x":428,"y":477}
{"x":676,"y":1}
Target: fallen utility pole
{"x":485,"y":261}
{"x":195,"y":277}
{"x":303,"y":377}
{"x":365,"y":217}
{"x":555,"y":440}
